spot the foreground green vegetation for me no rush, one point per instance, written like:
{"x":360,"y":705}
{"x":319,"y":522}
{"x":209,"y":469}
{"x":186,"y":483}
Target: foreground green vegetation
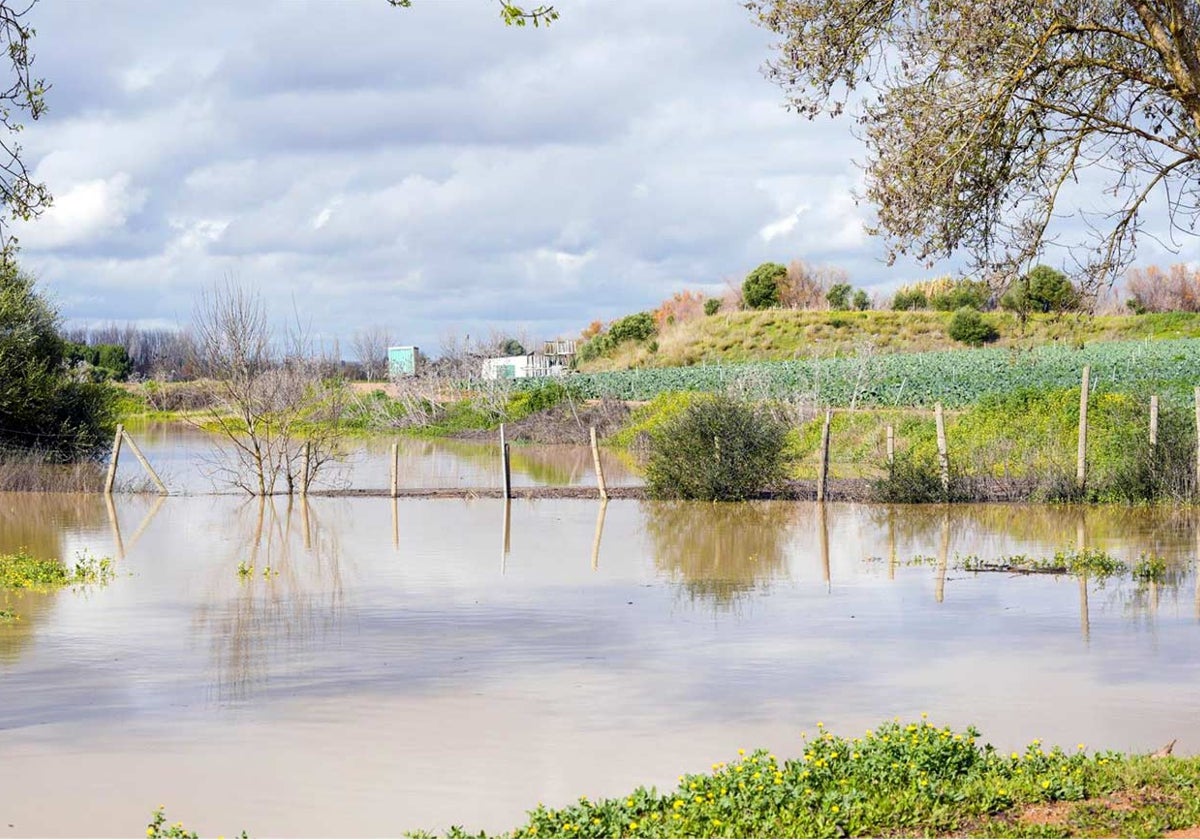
{"x":22,"y":570}
{"x":50,"y":407}
{"x":899,"y":779}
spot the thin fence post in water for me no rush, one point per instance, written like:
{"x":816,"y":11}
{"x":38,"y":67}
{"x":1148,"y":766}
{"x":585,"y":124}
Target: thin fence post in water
{"x":162,"y":488}
{"x":395,"y":469}
{"x":1081,"y":454}
{"x":116,"y":453}
{"x":504,"y":464}
{"x":943,"y":454}
{"x":599,"y":468}
{"x":891,"y":450}
{"x":307,"y":468}
{"x":1154,"y":421}
{"x":823,"y":467}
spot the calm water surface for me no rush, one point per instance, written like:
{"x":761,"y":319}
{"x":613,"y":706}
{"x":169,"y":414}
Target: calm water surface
{"x":403,"y":667}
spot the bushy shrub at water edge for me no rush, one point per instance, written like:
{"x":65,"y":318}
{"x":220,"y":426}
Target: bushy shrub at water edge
{"x":716,"y":449}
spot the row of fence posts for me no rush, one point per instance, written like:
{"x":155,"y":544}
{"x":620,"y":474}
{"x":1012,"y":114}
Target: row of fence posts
{"x":943,"y":449}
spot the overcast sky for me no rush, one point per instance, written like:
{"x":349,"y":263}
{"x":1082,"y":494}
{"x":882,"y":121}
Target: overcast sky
{"x":428,"y":169}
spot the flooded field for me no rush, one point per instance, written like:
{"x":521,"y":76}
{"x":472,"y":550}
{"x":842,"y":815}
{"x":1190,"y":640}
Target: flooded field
{"x":419,"y":663}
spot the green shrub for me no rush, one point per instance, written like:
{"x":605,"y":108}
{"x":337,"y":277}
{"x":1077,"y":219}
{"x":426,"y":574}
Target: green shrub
{"x":861,"y":302}
{"x":973,"y":294}
{"x":909,"y":299}
{"x":838,"y":296}
{"x":760,"y":289}
{"x":717,"y":449}
{"x":511,"y":347}
{"x":969,"y":327}
{"x":636,"y":327}
{"x":712,"y":306}
{"x":913,"y":478}
{"x":1043,"y":289}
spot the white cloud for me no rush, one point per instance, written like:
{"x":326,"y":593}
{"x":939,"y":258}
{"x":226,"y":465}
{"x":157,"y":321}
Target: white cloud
{"x":85,"y":212}
{"x":782,"y":227}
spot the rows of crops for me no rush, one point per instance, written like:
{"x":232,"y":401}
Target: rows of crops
{"x":955,"y":378}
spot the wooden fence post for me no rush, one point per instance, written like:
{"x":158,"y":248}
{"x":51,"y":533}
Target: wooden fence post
{"x":891,"y":449}
{"x":504,"y":464}
{"x":116,"y":453}
{"x":162,"y":488}
{"x":596,"y":462}
{"x":1153,"y":421}
{"x":823,"y":467}
{"x":943,"y":453}
{"x":307,"y":468}
{"x":395,"y":471}
{"x":1196,"y":395}
{"x":1081,"y":453}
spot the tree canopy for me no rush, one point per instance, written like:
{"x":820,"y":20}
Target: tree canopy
{"x":980,"y":117}
{"x":511,"y":13}
{"x":21,"y":196}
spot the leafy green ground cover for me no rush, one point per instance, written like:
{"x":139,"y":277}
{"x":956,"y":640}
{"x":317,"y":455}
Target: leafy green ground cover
{"x":782,"y":334}
{"x":21,"y":570}
{"x":897,"y":780}
{"x":955,"y":378}
{"x":901,"y":779}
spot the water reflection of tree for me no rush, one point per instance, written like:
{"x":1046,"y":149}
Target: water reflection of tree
{"x":274,"y":619}
{"x":1158,"y":530}
{"x":719,"y":552}
{"x":37,"y":522}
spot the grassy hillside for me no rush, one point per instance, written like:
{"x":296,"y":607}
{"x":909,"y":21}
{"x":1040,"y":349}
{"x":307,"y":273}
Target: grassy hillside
{"x":779,"y":334}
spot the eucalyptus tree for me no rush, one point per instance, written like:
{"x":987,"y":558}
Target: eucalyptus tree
{"x":986,"y":120}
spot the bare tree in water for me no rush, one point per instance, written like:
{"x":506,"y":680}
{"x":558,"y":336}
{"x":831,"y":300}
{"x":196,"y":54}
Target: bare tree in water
{"x":280,"y":416}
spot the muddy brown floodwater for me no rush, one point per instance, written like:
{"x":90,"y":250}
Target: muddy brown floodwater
{"x":428,"y":662}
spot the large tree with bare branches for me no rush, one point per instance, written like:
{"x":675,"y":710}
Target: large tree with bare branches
{"x":989,"y":122}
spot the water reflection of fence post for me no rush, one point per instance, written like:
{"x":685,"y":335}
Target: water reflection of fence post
{"x":1085,"y":621}
{"x":116,"y":453}
{"x":891,"y":543}
{"x":939,"y":591}
{"x":504,"y":534}
{"x":396,"y":523}
{"x":823,"y":522}
{"x":118,"y":545}
{"x":599,"y":468}
{"x":823,"y":466}
{"x":1081,"y":452}
{"x":943,"y":454}
{"x":599,"y":531}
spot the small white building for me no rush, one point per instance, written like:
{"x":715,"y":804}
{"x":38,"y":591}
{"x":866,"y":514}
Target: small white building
{"x":528,"y":366}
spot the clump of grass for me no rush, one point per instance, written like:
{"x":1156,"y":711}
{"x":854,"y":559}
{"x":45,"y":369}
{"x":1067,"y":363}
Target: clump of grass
{"x":158,"y":827}
{"x":900,"y":779}
{"x":21,"y":570}
{"x":1092,"y":562}
{"x":1150,"y":569}
{"x":9,"y":615}
{"x":245,"y":570}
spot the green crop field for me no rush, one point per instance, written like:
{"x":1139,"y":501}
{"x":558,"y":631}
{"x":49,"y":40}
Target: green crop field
{"x":954,"y":377}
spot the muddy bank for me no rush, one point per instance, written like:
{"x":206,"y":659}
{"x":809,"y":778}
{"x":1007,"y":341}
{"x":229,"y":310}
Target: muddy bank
{"x":837,"y":490}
